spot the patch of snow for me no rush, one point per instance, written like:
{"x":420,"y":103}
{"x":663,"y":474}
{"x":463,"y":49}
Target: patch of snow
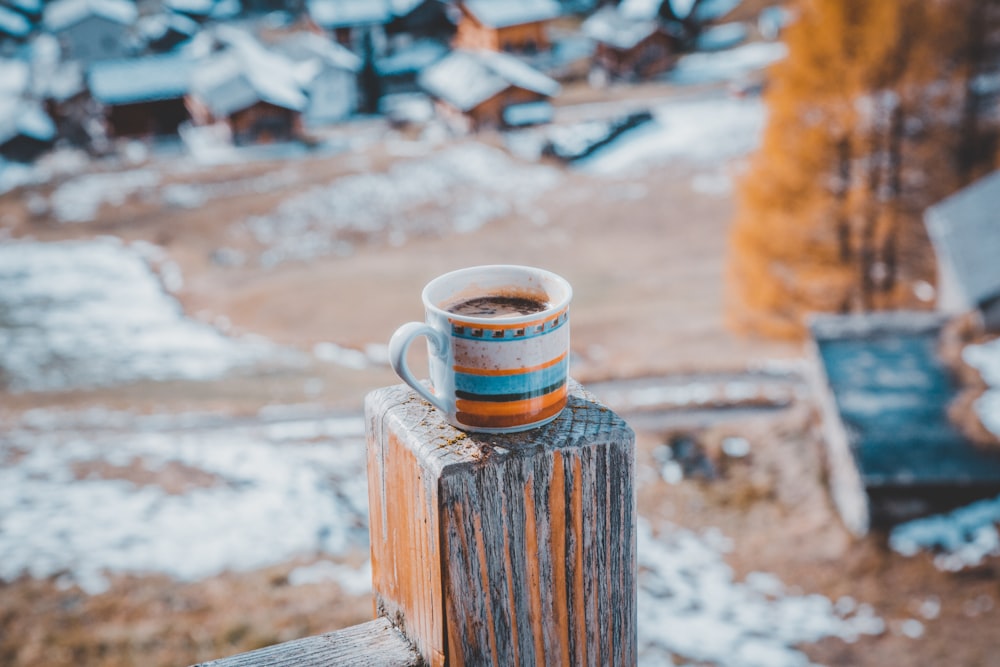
{"x":92,"y":313}
{"x":960,"y":539}
{"x":736,"y":447}
{"x":691,"y":606}
{"x":726,"y":65}
{"x":985,"y":358}
{"x":706,"y":130}
{"x":79,"y":199}
{"x":273,"y":496}
{"x":456,"y":190}
{"x":354,"y":581}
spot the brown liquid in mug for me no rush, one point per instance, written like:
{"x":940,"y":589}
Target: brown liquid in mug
{"x":497,"y":306}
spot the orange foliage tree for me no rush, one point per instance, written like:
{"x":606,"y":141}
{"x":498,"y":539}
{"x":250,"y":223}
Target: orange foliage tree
{"x":879,"y":110}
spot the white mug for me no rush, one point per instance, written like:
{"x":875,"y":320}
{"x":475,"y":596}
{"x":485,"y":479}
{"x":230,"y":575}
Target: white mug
{"x":492,"y":374}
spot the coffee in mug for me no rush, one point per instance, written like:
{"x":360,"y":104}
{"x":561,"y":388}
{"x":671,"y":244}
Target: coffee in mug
{"x":498,"y":338}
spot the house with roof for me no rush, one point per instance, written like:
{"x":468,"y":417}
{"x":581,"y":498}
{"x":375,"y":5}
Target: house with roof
{"x":482,"y":89}
{"x":965,"y":231}
{"x":893,"y":451}
{"x":328,"y":74}
{"x":353,"y":23}
{"x":630,"y":47}
{"x":142,"y":97}
{"x":91,"y":30}
{"x":251,"y":92}
{"x":510,"y":25}
{"x":26,"y":131}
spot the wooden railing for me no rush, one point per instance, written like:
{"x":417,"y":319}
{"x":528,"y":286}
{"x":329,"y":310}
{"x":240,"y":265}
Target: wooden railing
{"x":515,"y":549}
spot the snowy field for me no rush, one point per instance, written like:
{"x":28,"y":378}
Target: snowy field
{"x":456,"y":190}
{"x":93,"y":313}
{"x":92,"y":494}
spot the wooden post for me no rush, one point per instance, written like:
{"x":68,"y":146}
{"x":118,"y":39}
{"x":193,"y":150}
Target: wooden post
{"x":511,"y":549}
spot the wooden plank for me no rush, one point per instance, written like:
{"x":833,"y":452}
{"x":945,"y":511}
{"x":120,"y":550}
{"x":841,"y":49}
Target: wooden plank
{"x":373,"y":644}
{"x":514,"y":549}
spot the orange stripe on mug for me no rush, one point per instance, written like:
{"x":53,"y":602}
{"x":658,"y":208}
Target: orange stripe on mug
{"x":512,"y":420}
{"x":522,"y":407}
{"x":497,"y":372}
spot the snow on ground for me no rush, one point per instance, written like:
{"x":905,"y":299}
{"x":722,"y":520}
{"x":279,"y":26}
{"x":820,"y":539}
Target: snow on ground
{"x":726,"y":65}
{"x":986,"y":359}
{"x":960,"y":539}
{"x":691,"y":606}
{"x":88,"y":494}
{"x":270,"y":491}
{"x":79,"y":199}
{"x":705,"y":130}
{"x":456,"y":190}
{"x":91,"y":313}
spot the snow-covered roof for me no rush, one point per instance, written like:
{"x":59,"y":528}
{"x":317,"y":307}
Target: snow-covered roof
{"x":193,"y":7}
{"x":710,"y":10}
{"x":26,"y":6}
{"x":13,"y":23}
{"x":332,"y":14}
{"x":21,"y":118}
{"x":412,"y":59}
{"x":640,"y":9}
{"x":240,"y":77}
{"x":303,"y":47}
{"x":610,"y":26}
{"x":155,"y":26}
{"x":466,"y":79}
{"x":14,"y":75}
{"x":141,"y":79}
{"x":529,"y":113}
{"x":724,"y":36}
{"x":505,"y":13}
{"x":62,"y":14}
{"x":965,"y":233}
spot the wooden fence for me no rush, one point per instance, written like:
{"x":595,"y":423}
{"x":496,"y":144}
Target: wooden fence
{"x":515,"y":549}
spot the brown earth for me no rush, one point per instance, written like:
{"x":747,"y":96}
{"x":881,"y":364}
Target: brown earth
{"x":645,"y":256}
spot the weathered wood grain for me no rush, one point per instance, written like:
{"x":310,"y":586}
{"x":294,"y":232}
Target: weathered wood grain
{"x":373,"y":644}
{"x":504,"y":549}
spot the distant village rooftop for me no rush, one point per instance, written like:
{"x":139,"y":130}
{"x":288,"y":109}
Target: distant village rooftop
{"x":331,"y":14}
{"x":65,"y":13}
{"x":465,"y":79}
{"x":512,"y":12}
{"x":141,"y":79}
{"x":612,"y":26}
{"x":964,"y":228}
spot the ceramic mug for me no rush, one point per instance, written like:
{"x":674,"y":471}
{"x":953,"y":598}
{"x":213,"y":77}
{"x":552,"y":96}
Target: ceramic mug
{"x":492,"y":374}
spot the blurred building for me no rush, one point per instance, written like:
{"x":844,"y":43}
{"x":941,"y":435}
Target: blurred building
{"x":511,"y":25}
{"x":91,"y":30}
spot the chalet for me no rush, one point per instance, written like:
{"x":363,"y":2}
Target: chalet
{"x":965,"y":231}
{"x":142,"y":97}
{"x":479,"y":89}
{"x":511,"y":25}
{"x":91,"y":30}
{"x":328,"y":74}
{"x":893,"y":454}
{"x":628,"y":47}
{"x":26,"y":131}
{"x":353,"y":23}
{"x":250,"y":91}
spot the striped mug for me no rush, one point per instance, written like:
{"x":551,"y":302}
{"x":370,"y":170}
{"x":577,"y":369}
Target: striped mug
{"x":498,"y":339}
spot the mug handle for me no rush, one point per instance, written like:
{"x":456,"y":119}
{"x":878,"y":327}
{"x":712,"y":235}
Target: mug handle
{"x":400,"y":343}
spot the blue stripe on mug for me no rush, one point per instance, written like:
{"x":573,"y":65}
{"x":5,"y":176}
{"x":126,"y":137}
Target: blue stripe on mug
{"x":514,"y":396}
{"x":510,"y":384}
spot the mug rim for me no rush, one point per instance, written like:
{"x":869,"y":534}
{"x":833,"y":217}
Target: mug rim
{"x":562,"y":304}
